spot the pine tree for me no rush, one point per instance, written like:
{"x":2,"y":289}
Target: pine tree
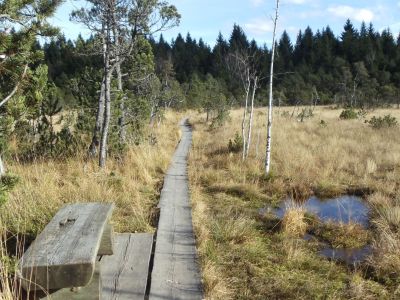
{"x":18,"y":51}
{"x":285,"y":53}
{"x":238,"y":40}
{"x":349,"y":42}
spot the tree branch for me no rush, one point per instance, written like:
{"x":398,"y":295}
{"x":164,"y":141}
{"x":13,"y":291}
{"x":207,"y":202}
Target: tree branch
{"x":14,"y":91}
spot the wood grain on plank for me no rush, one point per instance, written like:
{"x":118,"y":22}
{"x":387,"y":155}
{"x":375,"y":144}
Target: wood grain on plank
{"x":124,"y":274}
{"x":64,"y":254}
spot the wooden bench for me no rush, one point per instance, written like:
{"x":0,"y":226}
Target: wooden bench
{"x":75,"y":257}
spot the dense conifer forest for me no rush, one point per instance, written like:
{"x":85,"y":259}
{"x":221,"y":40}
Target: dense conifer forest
{"x":359,"y":68}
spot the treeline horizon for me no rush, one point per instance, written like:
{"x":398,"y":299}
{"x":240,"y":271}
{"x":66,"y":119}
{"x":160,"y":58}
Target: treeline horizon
{"x":360,"y":67}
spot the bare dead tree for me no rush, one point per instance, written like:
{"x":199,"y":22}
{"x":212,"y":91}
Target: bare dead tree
{"x":269,"y":121}
{"x":242,"y":66}
{"x":250,"y":126}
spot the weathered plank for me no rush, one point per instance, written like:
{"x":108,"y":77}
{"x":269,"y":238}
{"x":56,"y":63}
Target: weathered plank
{"x":107,"y":241}
{"x":90,"y":292}
{"x":124,"y":274}
{"x":176,"y":273}
{"x":64,"y":254}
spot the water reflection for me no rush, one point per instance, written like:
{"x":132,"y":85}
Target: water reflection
{"x":343,"y":209}
{"x":348,"y":256}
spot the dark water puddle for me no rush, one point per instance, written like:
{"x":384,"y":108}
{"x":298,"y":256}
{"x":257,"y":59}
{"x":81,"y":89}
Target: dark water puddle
{"x":348,"y":256}
{"x":345,"y":209}
{"x":352,"y":257}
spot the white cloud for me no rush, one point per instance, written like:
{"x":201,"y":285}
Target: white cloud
{"x":259,"y":26}
{"x":358,"y":14}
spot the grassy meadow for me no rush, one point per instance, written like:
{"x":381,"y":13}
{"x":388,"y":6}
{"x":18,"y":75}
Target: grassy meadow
{"x":243,"y":254}
{"x":246,"y":255}
{"x":132,"y":183}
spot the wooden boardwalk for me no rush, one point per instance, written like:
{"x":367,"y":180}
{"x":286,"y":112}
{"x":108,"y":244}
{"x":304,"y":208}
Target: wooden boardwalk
{"x":176,"y":274}
{"x":124,"y":275}
{"x":78,"y":256}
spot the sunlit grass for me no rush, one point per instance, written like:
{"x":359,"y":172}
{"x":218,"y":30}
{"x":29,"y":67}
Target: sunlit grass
{"x":132,"y":183}
{"x":270,"y":260}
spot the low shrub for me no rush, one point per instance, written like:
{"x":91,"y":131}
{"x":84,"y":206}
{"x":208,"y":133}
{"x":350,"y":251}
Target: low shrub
{"x":387,"y":121}
{"x":323,"y":124}
{"x":306,"y":113}
{"x":7,"y":182}
{"x":236,"y":145}
{"x":349,"y":114}
{"x":285,"y":114}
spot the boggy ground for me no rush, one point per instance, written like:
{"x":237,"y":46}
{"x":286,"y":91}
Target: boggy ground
{"x":248,"y":256}
{"x":133,"y":183}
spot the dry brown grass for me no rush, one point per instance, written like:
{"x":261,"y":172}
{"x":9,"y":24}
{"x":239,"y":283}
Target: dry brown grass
{"x":342,"y":235}
{"x":132,"y":183}
{"x":293,"y":223}
{"x":386,"y":244}
{"x":341,"y":157}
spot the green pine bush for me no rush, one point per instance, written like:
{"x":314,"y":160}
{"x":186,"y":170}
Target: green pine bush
{"x":387,"y":121}
{"x":235,"y":145}
{"x":349,"y":114}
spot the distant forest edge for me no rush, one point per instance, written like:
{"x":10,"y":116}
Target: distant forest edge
{"x":359,"y":68}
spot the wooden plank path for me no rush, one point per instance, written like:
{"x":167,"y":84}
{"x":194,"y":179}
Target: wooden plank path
{"x":78,"y":257}
{"x":176,"y":273}
{"x":124,"y":275}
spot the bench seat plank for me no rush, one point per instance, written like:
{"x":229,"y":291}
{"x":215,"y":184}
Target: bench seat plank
{"x":64,"y":254}
{"x":124,"y":274}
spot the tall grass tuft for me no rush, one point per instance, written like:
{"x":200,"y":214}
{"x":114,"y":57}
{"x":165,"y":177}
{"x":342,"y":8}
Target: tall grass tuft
{"x":293,"y":222}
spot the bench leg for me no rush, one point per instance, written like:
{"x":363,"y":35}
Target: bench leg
{"x":90,"y":292}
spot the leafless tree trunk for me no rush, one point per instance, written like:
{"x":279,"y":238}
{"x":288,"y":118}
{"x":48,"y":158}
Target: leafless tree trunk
{"x":106,"y":123}
{"x":271,"y":82}
{"x":245,"y":117}
{"x":251,"y":116}
{"x":2,"y":169}
{"x":121,"y":121}
{"x":98,"y":128}
{"x":3,"y":102}
{"x":15,"y":89}
{"x":107,"y":99}
{"x":99,"y":122}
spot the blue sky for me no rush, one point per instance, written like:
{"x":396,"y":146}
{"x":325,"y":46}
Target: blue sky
{"x":205,"y":18}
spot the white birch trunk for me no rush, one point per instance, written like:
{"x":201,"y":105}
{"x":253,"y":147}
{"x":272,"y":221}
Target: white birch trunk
{"x":2,"y":169}
{"x":245,"y":118}
{"x":269,"y":123}
{"x":251,"y":117}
